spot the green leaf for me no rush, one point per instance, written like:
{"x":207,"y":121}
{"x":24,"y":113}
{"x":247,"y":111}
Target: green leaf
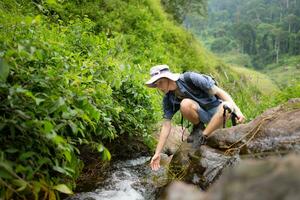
{"x":59,"y":103}
{"x":58,"y":140}
{"x":74,"y":127}
{"x":22,"y":169}
{"x":4,"y":174}
{"x":106,"y":154}
{"x":11,"y":150}
{"x":63,"y":189}
{"x":51,"y":2}
{"x":6,"y":170}
{"x":48,"y":127}
{"x":26,"y":155}
{"x":38,"y":100}
{"x":4,"y":71}
{"x":19,"y":183}
{"x":61,"y":170}
{"x":36,"y":188}
{"x":52,"y":195}
{"x":100,"y":148}
{"x":67,"y":155}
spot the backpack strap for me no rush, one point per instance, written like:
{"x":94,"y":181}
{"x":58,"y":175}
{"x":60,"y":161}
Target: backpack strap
{"x":187,"y":78}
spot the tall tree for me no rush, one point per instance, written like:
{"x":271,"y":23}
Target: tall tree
{"x":246,"y":35}
{"x":179,"y":9}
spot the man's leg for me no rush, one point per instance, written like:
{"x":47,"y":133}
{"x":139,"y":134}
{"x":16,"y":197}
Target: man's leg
{"x":217,"y":119}
{"x":189,"y":110}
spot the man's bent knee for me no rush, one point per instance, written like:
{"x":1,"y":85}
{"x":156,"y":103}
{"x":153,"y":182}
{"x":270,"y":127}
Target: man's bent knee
{"x":188,"y":105}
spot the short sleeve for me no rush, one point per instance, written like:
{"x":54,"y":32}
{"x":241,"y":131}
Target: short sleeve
{"x":168,"y":108}
{"x":202,"y":81}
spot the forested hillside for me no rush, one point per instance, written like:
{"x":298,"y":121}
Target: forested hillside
{"x":262,"y":32}
{"x":73,"y":73}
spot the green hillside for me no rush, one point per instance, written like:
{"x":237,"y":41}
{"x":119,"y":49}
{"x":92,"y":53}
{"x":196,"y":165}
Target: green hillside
{"x":264,"y":30}
{"x":286,"y":73}
{"x":73,"y":73}
{"x":261,"y":81}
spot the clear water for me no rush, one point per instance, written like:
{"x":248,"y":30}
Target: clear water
{"x":127,"y":181}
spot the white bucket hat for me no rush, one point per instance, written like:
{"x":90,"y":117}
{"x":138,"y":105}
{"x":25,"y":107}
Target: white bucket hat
{"x":161,"y":71}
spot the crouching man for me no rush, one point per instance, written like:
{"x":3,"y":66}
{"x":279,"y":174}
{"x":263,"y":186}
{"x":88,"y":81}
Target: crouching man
{"x":199,"y":100}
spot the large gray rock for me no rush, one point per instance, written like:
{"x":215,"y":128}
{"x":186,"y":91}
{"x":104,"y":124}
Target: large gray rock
{"x":182,"y":191}
{"x":276,"y":130}
{"x":273,"y":178}
{"x":276,"y":179}
{"x":199,"y":166}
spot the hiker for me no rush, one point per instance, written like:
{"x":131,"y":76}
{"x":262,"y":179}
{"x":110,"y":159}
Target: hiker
{"x":199,"y":100}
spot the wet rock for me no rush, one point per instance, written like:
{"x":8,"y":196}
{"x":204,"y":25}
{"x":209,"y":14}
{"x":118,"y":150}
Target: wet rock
{"x":200,"y":166}
{"x":274,"y":178}
{"x":160,"y":178}
{"x":276,"y":130}
{"x":182,"y":191}
{"x":177,"y":135}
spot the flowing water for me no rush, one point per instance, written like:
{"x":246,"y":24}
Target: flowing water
{"x":127,"y":181}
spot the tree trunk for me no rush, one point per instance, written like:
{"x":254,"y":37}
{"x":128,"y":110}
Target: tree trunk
{"x":280,"y":17}
{"x":277,"y":47}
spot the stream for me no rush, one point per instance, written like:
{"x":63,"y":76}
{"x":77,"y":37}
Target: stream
{"x":127,"y":180}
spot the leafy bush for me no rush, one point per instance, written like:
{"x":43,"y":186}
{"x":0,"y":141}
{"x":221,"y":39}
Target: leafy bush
{"x":64,"y":88}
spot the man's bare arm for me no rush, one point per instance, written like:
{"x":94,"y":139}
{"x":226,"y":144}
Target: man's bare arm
{"x":223,"y":95}
{"x":164,"y":133}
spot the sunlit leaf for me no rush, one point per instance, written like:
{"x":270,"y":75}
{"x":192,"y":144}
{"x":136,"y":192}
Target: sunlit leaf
{"x":48,"y":127}
{"x":63,"y":189}
{"x":100,"y":148}
{"x":67,"y":155}
{"x":106,"y":154}
{"x":38,"y":101}
{"x":51,"y":2}
{"x":61,"y":170}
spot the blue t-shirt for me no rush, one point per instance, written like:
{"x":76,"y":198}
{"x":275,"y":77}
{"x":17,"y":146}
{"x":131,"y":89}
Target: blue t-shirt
{"x":202,"y":84}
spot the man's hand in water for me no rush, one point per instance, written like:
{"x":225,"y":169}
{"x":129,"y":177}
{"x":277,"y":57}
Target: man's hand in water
{"x":155,"y":162}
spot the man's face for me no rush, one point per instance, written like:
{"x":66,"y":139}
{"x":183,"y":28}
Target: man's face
{"x":163,"y":85}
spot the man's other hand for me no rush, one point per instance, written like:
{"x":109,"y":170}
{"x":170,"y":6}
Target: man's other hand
{"x":240,"y":117}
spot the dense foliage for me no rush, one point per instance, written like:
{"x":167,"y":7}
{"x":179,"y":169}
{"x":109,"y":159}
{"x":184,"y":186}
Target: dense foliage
{"x":263,"y":29}
{"x":72,"y":73}
{"x":64,"y":88}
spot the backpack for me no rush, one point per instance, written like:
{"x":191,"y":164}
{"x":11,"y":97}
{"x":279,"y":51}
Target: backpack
{"x":187,"y":78}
